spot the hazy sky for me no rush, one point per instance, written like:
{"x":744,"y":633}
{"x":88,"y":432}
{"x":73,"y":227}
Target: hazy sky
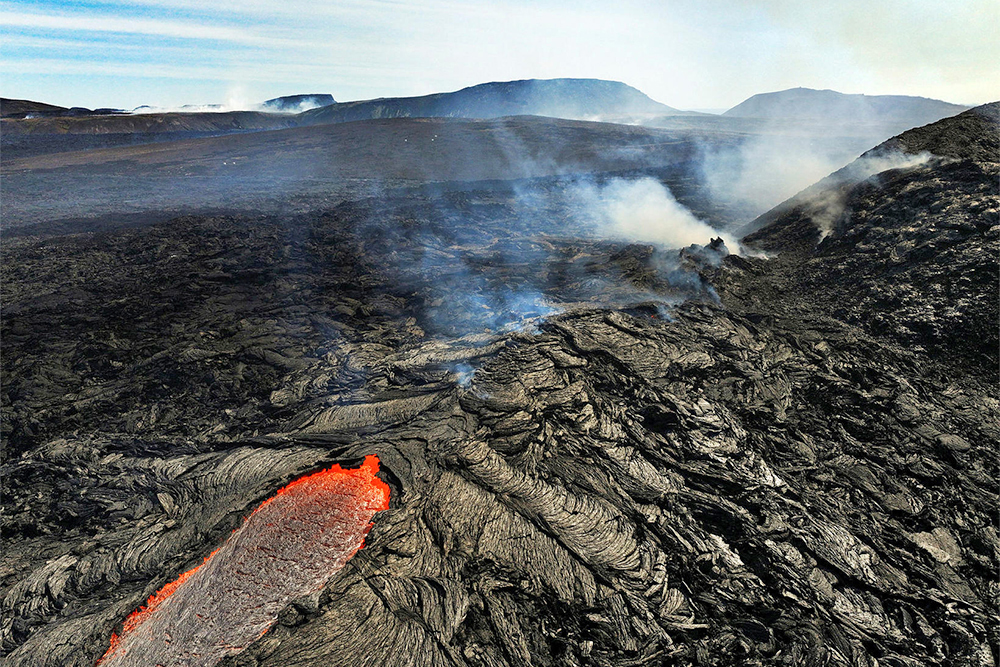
{"x":685,"y":53}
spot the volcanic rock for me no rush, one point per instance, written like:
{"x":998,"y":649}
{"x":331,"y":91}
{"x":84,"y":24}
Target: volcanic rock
{"x":783,"y":461}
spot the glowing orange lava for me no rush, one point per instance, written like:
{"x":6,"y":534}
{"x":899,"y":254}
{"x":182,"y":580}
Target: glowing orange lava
{"x":136,"y":618}
{"x":289,"y":546}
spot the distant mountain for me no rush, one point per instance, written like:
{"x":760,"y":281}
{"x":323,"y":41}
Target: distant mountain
{"x":20,"y":108}
{"x":10,"y":108}
{"x":176,"y":121}
{"x":575,"y":99}
{"x":833,"y":106}
{"x":298,"y":103}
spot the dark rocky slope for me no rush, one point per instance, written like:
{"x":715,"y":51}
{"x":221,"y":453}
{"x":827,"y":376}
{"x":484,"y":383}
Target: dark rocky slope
{"x":28,"y":137}
{"x":770,"y":478}
{"x":11,"y":108}
{"x":320,"y":164}
{"x":909,"y":252}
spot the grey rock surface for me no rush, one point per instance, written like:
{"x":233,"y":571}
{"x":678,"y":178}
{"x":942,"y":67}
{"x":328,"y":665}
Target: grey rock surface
{"x":744,"y":467}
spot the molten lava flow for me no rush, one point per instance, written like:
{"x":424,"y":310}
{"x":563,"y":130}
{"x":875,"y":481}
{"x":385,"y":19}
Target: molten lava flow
{"x":287,"y":548}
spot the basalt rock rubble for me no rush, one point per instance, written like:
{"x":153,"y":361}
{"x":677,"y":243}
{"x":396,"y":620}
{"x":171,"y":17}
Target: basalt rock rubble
{"x":599,"y":453}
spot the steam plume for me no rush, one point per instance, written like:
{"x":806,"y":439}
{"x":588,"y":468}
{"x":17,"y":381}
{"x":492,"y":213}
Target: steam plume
{"x":643,"y":210}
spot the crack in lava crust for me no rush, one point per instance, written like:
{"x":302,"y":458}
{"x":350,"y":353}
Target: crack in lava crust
{"x":288,"y":547}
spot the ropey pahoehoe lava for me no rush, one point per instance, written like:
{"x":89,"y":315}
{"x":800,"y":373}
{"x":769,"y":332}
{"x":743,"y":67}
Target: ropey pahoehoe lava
{"x":287,"y":548}
{"x":627,"y":420}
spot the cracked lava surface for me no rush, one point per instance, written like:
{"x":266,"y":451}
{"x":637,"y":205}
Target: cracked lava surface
{"x":287,"y":548}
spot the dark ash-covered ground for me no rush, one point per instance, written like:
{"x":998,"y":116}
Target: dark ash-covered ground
{"x":600,"y":453}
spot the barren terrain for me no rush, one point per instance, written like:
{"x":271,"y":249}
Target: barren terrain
{"x":600,"y":452}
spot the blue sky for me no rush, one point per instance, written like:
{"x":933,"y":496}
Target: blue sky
{"x":685,"y":53}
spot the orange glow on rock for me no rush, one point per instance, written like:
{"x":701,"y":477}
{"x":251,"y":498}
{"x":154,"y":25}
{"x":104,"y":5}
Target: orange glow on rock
{"x":142,"y":613}
{"x":288,"y":547}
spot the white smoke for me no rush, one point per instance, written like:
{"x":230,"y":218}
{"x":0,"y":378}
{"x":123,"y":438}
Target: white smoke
{"x":185,"y":108}
{"x":765,"y":170}
{"x":305,"y":105}
{"x":644,"y":210}
{"x":870,"y":164}
{"x":826,"y":202}
{"x":237,"y":99}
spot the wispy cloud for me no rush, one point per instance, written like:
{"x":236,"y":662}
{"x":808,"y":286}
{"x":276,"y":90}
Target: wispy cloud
{"x":301,"y":73}
{"x":157,"y":27}
{"x":50,"y":66}
{"x":685,"y":53}
{"x":308,"y":9}
{"x":219,"y":32}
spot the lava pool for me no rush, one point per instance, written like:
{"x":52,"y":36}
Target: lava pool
{"x":287,"y":548}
